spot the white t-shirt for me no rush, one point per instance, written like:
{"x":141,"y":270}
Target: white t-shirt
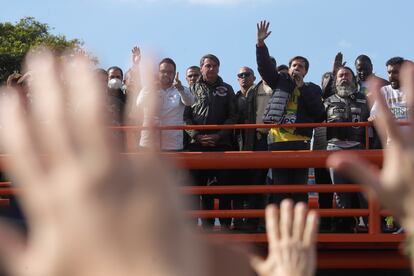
{"x":396,"y":102}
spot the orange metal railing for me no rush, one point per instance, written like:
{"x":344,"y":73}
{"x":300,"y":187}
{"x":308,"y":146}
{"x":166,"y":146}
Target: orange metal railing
{"x":277,"y":159}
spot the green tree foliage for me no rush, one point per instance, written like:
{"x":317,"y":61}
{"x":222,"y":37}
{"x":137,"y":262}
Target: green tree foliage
{"x":17,"y":39}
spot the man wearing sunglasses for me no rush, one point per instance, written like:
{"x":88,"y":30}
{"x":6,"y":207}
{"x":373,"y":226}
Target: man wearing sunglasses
{"x":293,"y":101}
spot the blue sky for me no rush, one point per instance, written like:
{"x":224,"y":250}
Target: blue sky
{"x":186,"y":29}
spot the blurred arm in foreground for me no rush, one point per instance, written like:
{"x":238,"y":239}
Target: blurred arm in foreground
{"x":90,"y":210}
{"x":393,"y":185}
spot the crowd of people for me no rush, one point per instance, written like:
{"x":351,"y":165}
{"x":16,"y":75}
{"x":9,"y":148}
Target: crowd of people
{"x":92,"y":211}
{"x":281,"y":96}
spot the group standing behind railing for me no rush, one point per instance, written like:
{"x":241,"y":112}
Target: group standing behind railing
{"x":91,"y":212}
{"x":280,"y":97}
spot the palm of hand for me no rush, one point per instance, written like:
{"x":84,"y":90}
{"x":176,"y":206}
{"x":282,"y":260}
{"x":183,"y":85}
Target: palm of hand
{"x":90,"y":211}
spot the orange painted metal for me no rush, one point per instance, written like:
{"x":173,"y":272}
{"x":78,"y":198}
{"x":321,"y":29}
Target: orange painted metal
{"x":253,"y":213}
{"x":261,"y":159}
{"x":260,"y":189}
{"x":379,"y":258}
{"x":238,"y":126}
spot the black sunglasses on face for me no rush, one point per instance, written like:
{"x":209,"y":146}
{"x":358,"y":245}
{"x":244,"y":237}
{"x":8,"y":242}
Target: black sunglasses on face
{"x":243,"y":75}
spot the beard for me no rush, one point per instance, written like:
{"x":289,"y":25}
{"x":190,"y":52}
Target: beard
{"x":345,"y":89}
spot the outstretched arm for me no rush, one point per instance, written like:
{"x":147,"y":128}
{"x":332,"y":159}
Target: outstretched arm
{"x":266,"y":68}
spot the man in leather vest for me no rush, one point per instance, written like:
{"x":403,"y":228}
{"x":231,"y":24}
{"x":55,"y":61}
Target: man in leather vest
{"x":347,"y":104}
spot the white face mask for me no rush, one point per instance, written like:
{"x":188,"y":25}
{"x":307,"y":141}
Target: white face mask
{"x":115,"y":83}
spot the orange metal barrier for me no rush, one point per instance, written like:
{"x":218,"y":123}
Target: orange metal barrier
{"x":285,"y":159}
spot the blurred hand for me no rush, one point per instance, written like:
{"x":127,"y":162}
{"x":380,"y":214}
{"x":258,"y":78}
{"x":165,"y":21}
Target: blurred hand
{"x":262,"y":32}
{"x":292,"y":241}
{"x":90,"y":210}
{"x":136,"y":56}
{"x":393,"y":185}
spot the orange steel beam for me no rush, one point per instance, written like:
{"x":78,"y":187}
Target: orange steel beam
{"x":261,"y":159}
{"x":5,"y":184}
{"x":362,"y":259}
{"x":246,"y":126}
{"x":260,"y":213}
{"x":322,"y":239}
{"x":239,"y":126}
{"x":8,"y":191}
{"x":250,"y":159}
{"x":251,"y":189}
{"x":260,"y":189}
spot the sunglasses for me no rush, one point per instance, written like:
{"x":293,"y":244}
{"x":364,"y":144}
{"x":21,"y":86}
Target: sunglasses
{"x":243,"y":75}
{"x":193,"y":76}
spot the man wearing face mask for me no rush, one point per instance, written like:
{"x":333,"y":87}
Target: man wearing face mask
{"x":116,"y":95}
{"x":346,"y":105}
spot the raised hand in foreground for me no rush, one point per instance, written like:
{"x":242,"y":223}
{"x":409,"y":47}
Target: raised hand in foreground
{"x":90,"y":210}
{"x":291,"y":234}
{"x":394,"y":184}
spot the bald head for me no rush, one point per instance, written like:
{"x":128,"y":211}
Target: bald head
{"x":246,"y":78}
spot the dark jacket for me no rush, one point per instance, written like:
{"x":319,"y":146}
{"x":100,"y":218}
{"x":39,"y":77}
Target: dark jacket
{"x":350,"y":109}
{"x":310,"y":106}
{"x":215,"y":105}
{"x":247,"y":109}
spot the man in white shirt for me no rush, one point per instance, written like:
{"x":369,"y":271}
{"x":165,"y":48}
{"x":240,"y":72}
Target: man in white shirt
{"x":394,"y":97}
{"x":173,"y":97}
{"x":397,"y":103}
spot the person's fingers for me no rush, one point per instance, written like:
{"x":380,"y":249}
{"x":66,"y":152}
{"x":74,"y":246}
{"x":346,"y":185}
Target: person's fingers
{"x":299,"y":221}
{"x":17,"y":138}
{"x":311,"y":229}
{"x":259,"y":264}
{"x":357,"y":169}
{"x":131,"y":115}
{"x":12,"y":248}
{"x":48,"y":107}
{"x":286,"y":214}
{"x":89,"y":119}
{"x":272,"y":225}
{"x":385,"y":125}
{"x":24,"y":165}
{"x":151,"y":101}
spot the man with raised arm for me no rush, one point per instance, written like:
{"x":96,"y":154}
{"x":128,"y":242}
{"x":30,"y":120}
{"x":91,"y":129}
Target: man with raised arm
{"x":293,"y":101}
